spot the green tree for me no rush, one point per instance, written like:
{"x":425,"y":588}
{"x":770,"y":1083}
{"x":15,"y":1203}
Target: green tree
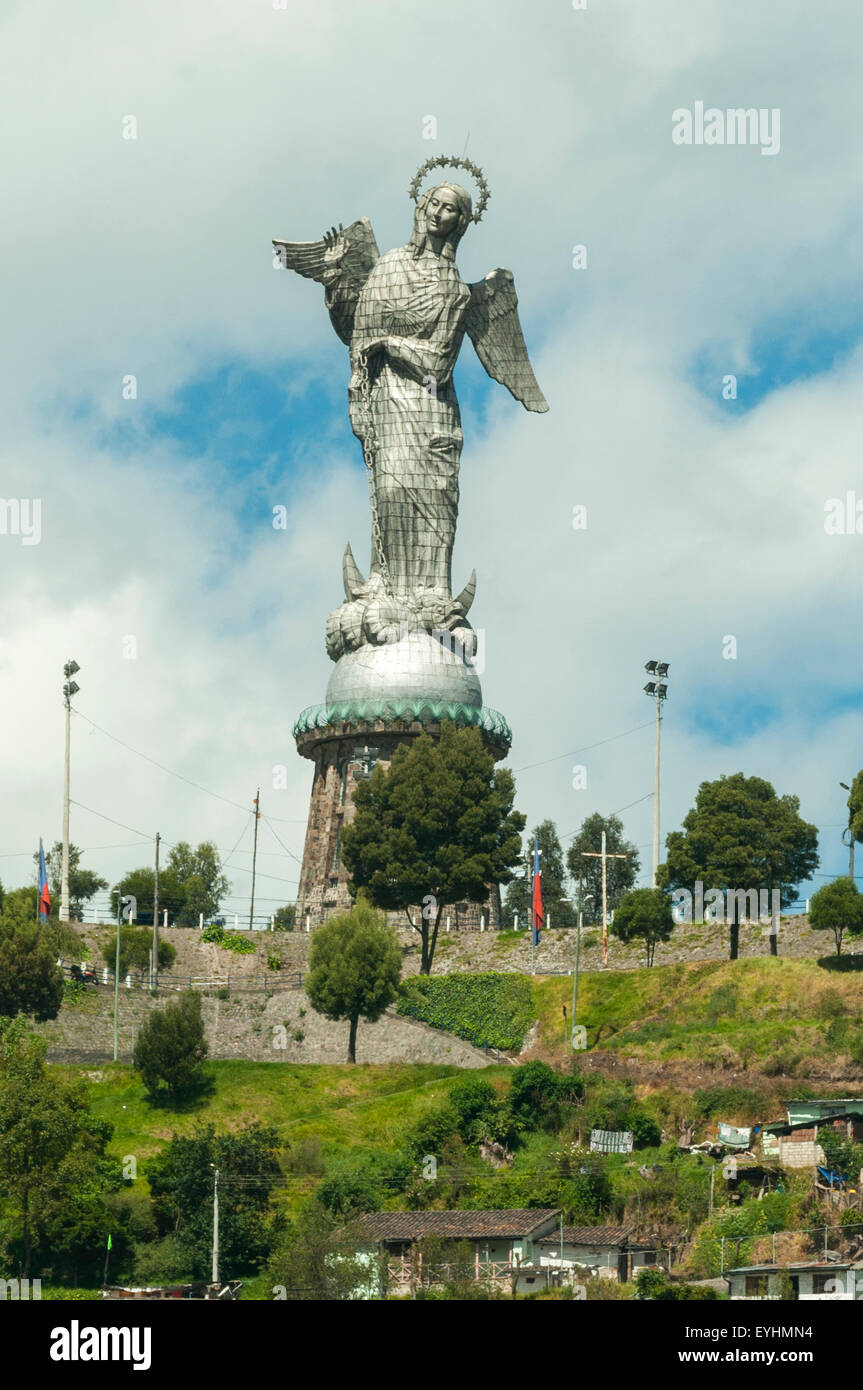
{"x":285,"y":918}
{"x":316,"y":1260}
{"x":436,"y":827}
{"x":837,"y":907}
{"x":644,"y":913}
{"x":741,"y":836}
{"x":519,"y":894}
{"x":587,"y":872}
{"x":140,"y":884}
{"x":355,"y":963}
{"x":30,"y":979}
{"x":53,"y":1170}
{"x":84,"y":884}
{"x":855,"y":808}
{"x":181,"y":1180}
{"x":199,"y":873}
{"x":135,"y":946}
{"x":171,"y":1047}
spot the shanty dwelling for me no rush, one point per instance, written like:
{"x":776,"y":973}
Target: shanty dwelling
{"x":504,"y":1246}
{"x":838,"y":1280}
{"x":606,"y":1252}
{"x":795,"y":1142}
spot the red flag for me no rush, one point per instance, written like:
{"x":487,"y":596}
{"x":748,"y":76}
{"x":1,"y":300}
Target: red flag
{"x":537,"y":897}
{"x":44,"y":890}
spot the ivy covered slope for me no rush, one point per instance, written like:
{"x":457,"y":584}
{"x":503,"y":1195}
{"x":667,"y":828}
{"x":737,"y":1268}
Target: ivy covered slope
{"x":490,"y":1010}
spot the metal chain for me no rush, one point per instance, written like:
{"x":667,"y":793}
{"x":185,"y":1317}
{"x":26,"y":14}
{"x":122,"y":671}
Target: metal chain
{"x":369,"y":456}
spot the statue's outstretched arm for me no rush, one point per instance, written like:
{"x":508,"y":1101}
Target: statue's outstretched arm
{"x":341,"y":262}
{"x":492,"y":322}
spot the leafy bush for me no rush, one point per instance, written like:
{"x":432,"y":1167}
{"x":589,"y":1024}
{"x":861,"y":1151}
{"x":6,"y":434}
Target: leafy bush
{"x":432,"y":1130}
{"x":214,"y":933}
{"x":475,"y":1103}
{"x":274,"y":962}
{"x":535,"y":1096}
{"x":489,"y":1010}
{"x":240,"y":945}
{"x":171,"y":1047}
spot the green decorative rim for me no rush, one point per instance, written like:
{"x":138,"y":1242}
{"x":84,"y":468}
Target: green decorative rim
{"x":354,"y":711}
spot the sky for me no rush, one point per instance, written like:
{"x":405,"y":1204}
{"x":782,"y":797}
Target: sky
{"x":164,"y":386}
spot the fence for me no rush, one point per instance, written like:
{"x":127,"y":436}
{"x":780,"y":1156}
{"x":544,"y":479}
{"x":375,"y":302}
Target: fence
{"x":261,"y":982}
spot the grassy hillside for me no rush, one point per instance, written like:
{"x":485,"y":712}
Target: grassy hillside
{"x":779,"y":1016}
{"x":342,"y":1106}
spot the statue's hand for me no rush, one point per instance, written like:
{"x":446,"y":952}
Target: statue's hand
{"x":333,"y":237}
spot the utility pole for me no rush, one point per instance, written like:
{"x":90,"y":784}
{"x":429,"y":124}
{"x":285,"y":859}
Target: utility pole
{"x":215,"y":1223}
{"x":575,"y":971}
{"x":156,"y":910}
{"x":69,"y":689}
{"x":604,"y":856}
{"x":254,"y":859}
{"x":658,"y":691}
{"x":117,"y":979}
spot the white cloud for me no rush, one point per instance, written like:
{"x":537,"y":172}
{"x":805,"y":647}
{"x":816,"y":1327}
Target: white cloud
{"x":151,"y":257}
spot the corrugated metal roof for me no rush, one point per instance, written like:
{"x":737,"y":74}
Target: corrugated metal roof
{"x":455,"y":1225}
{"x":591,"y":1235}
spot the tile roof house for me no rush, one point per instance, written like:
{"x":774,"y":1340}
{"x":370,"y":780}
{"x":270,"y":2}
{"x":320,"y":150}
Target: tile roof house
{"x":504,"y":1244}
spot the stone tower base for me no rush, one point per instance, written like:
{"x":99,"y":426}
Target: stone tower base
{"x":344,"y":747}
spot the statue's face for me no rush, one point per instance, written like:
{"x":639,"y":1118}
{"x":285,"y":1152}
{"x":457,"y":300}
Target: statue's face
{"x":442,"y":211}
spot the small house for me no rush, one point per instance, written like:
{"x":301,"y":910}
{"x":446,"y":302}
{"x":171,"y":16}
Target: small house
{"x":839,"y":1280}
{"x":504,"y":1245}
{"x":605,"y":1252}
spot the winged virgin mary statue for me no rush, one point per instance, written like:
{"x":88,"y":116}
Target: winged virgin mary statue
{"x":403,"y":315}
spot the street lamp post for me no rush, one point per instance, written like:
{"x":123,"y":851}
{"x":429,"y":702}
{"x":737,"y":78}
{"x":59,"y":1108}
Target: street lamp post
{"x":658,"y":691}
{"x":69,"y":689}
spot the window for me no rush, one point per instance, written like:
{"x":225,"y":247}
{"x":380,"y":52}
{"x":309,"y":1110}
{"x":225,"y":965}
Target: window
{"x":756,"y":1286}
{"x":830,"y":1282}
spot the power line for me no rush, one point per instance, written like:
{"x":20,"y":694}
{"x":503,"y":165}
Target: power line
{"x":161,"y":766}
{"x":281,"y":842}
{"x":586,"y":748}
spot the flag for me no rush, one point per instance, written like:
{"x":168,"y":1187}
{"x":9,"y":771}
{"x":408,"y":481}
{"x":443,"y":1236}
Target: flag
{"x":537,"y":896}
{"x":44,"y":890}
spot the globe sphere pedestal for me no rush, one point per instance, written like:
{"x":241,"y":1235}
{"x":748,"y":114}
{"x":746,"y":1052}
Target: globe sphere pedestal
{"x":379,"y":698}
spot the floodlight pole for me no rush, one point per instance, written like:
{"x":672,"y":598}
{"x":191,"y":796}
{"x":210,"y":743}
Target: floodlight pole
{"x":658,"y":691}
{"x":69,"y":689}
{"x":656,"y":789}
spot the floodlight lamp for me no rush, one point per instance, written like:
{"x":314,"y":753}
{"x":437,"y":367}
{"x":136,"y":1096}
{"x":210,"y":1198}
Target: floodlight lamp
{"x":70,"y":689}
{"x":650,"y":688}
{"x":845,"y":785}
{"x":71,"y":668}
{"x":662,"y":668}
{"x":662,"y":691}
{"x":650,"y":666}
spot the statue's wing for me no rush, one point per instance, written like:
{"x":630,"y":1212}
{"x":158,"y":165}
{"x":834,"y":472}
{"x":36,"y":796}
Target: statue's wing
{"x":492,"y":322}
{"x":341,"y":262}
